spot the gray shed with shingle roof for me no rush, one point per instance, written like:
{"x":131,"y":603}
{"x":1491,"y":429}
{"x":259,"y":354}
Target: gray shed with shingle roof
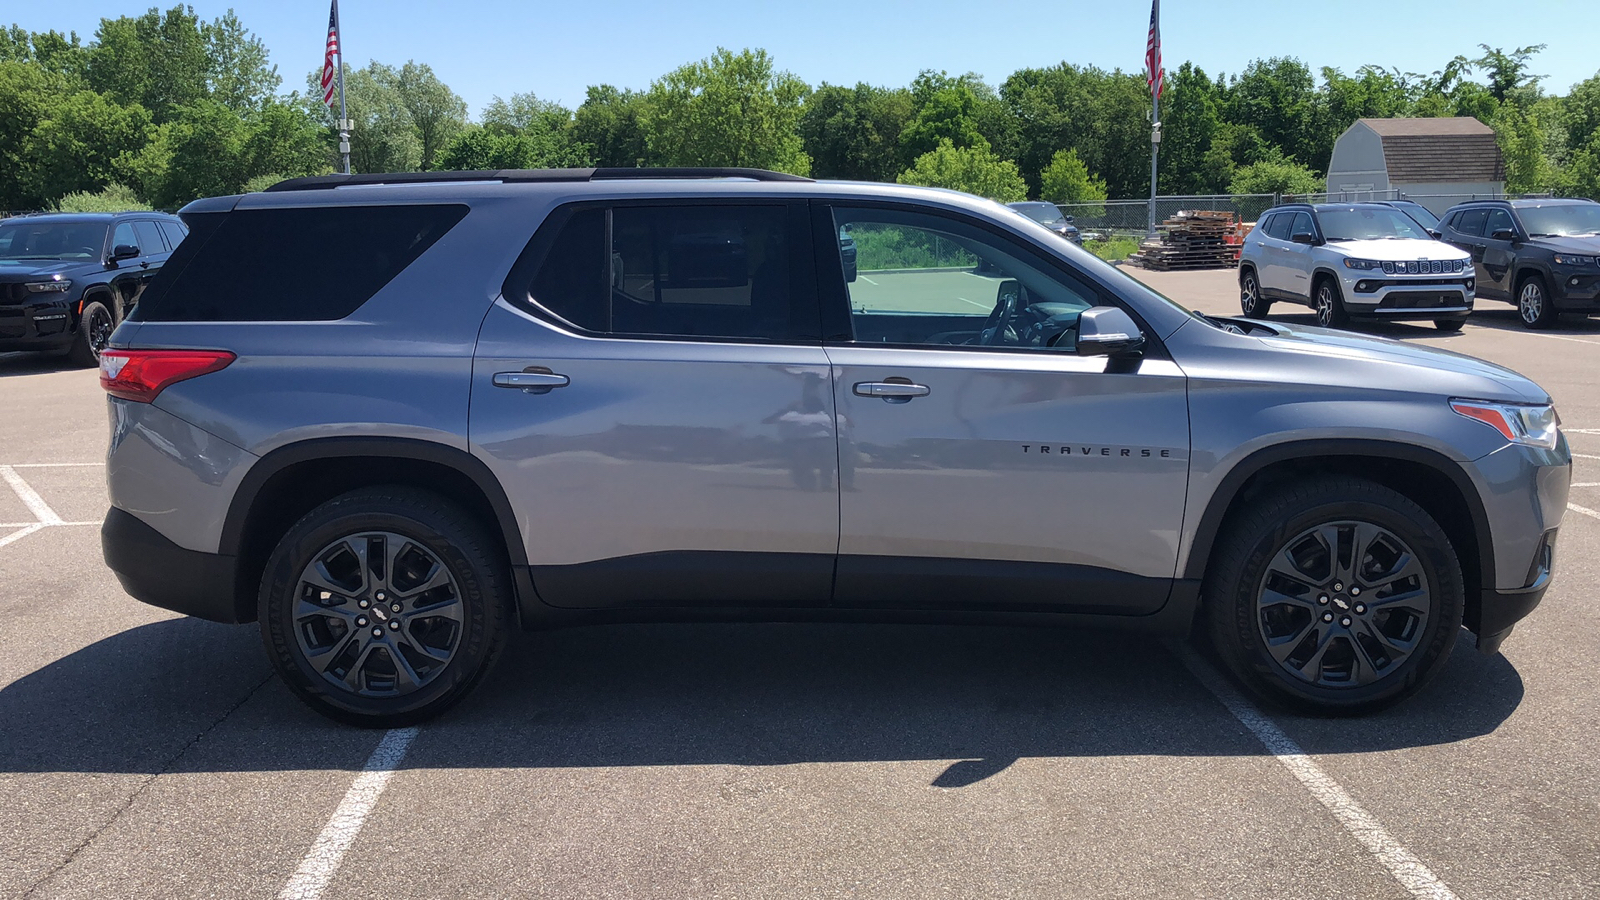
{"x":1437,"y":162}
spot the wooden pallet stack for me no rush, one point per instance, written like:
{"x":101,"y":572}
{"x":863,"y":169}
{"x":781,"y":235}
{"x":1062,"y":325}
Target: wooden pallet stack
{"x":1192,"y":239}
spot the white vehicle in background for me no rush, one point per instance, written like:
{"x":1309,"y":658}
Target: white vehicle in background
{"x":1354,"y":260}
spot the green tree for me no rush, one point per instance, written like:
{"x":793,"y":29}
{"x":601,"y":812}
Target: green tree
{"x":1232,"y":148}
{"x":1583,"y":172}
{"x":28,"y":96}
{"x":238,"y":73}
{"x":1278,"y":97}
{"x":976,"y":170}
{"x":385,"y":139}
{"x":82,"y":145}
{"x":1508,"y":72}
{"x":113,"y":198}
{"x":535,"y":148}
{"x":610,"y":123}
{"x":1105,"y":116}
{"x":52,"y":51}
{"x":1580,"y":111}
{"x":1521,"y":136}
{"x":1068,"y":180}
{"x":949,"y":115}
{"x":437,"y":114}
{"x":1189,"y":121}
{"x":854,"y":133}
{"x":1279,"y":176}
{"x":546,"y":130}
{"x":163,"y":61}
{"x":732,"y":109}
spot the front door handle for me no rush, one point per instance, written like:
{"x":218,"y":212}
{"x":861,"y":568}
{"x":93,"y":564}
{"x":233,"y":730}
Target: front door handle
{"x":892,"y":391}
{"x":533,"y":380}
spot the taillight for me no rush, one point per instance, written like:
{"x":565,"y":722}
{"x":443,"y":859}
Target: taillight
{"x":140,"y":375}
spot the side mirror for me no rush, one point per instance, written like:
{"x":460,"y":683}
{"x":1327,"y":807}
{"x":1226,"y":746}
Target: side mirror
{"x":1071,"y":219}
{"x":1436,"y":235}
{"x":1108,"y":331}
{"x":1304,"y":237}
{"x":124,"y":251}
{"x":1504,"y":235}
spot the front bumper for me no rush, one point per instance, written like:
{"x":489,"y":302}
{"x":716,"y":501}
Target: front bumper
{"x":37,"y":326}
{"x":1408,"y":296}
{"x":156,"y":571}
{"x":1576,"y":290}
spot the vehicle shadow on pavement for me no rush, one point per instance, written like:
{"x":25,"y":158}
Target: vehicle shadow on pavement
{"x":654,"y":695}
{"x":34,"y":364}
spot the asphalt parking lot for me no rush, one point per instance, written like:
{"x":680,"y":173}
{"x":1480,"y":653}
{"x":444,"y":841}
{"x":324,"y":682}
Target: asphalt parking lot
{"x":143,"y":754}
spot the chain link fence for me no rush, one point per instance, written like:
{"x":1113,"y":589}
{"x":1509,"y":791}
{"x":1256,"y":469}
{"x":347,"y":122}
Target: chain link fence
{"x":1131,"y":218}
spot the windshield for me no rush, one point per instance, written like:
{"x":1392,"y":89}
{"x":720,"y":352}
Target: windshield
{"x":1043,"y":213}
{"x":1370,"y":224}
{"x":1420,"y":213}
{"x":1566,"y":220}
{"x":23,"y":239}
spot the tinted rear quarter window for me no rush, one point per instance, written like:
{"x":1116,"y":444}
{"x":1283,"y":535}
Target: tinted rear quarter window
{"x":149,"y":238}
{"x":174,"y":233}
{"x":280,"y":265}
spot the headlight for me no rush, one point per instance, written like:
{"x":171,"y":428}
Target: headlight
{"x":48,"y":287}
{"x":1362,"y":264}
{"x":1566,"y":259}
{"x":1534,"y":426}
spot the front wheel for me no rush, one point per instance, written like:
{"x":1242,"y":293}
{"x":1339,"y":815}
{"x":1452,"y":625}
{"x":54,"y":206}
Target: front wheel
{"x":1329,"y":303}
{"x":95,"y":325}
{"x":385,"y":606}
{"x":1251,"y":303}
{"x":1533,"y":303}
{"x":1334,"y":596}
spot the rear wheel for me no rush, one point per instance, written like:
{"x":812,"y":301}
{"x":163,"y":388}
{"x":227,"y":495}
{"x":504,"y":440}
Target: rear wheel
{"x":1251,"y":303}
{"x":1334,"y":596}
{"x":95,"y":325}
{"x":1449,"y":325}
{"x":1329,"y":304}
{"x":1533,"y":303}
{"x":385,"y":606}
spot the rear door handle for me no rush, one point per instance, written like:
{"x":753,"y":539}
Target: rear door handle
{"x":892,"y":391}
{"x":534,"y":380}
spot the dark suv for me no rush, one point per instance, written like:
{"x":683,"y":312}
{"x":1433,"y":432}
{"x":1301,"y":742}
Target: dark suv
{"x":1539,"y":254}
{"x":67,"y":279}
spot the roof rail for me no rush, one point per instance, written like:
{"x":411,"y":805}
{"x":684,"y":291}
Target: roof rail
{"x":526,"y":176}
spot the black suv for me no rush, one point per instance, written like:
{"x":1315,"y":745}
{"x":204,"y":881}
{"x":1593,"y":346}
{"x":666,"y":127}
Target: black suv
{"x":1539,"y":254}
{"x":67,"y":279}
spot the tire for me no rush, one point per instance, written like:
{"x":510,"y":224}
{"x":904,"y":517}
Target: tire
{"x":1534,"y":307}
{"x":1251,"y":303}
{"x":1449,"y":326}
{"x":1289,"y":652}
{"x":449,"y":576}
{"x":1328,"y":301}
{"x":95,"y":325}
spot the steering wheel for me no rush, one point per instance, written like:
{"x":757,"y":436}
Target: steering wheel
{"x":86,"y":251}
{"x":998,"y":325}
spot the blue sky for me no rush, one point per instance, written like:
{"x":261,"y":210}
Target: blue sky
{"x":486,"y":47}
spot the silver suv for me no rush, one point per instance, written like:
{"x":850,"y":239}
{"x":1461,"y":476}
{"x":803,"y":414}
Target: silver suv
{"x":1349,"y":260}
{"x":393,"y":418}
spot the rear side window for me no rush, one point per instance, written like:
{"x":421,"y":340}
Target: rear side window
{"x":1279,"y":226}
{"x":705,"y":271}
{"x":174,"y":233}
{"x":1471,"y":221}
{"x":281,"y":265}
{"x":149,"y":238}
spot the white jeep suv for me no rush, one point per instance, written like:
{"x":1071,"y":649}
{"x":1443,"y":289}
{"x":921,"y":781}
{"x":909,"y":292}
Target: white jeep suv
{"x":1351,"y":260}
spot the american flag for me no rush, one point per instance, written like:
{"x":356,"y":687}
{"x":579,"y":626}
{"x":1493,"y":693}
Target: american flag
{"x":330,"y":68}
{"x":1152,"y":52}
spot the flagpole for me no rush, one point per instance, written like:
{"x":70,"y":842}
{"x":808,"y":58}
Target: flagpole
{"x":1155,"y":110}
{"x":344,"y":131}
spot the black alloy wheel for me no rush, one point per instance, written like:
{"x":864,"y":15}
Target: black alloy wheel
{"x":1335,"y":595}
{"x":385,"y":606}
{"x":95,"y":325}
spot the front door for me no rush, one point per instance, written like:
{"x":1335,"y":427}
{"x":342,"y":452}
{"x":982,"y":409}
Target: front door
{"x":1499,"y":254}
{"x":984,"y":464}
{"x":653,"y":394}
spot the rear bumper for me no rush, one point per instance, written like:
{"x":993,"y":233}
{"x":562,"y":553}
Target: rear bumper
{"x":156,"y":571}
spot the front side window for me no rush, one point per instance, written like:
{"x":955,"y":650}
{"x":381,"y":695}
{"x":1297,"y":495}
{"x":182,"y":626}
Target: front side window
{"x":124,"y":236}
{"x":1302,"y":225}
{"x":928,"y":280}
{"x":722,"y":272}
{"x":1499,"y":220}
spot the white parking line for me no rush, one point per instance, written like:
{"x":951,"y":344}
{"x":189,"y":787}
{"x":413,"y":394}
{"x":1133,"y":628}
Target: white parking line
{"x":19,"y":535}
{"x":1583,"y":509}
{"x":322,"y":861}
{"x":1580,"y":430}
{"x":55,"y":465}
{"x":1406,"y":868}
{"x":868,"y":280}
{"x":973,"y":302}
{"x":30,"y":498}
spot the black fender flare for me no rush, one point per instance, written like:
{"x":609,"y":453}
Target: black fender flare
{"x":1221,"y":500}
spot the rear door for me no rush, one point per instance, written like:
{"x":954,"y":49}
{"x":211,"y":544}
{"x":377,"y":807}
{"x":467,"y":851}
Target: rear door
{"x":985,"y":465}
{"x":653,"y":394}
{"x":1275,"y":253}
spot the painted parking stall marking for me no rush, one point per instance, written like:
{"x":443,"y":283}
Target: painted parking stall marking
{"x":45,"y":516}
{"x":321,"y":862}
{"x":1406,"y":868}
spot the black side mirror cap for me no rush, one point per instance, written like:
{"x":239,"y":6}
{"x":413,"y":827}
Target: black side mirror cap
{"x":124,"y":251}
{"x":1436,"y":235}
{"x":1304,"y":237}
